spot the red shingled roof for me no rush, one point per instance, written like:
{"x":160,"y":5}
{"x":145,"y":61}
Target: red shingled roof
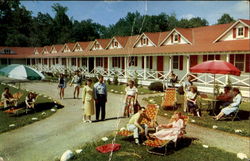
{"x":245,"y":21}
{"x":70,"y":46}
{"x":58,"y":47}
{"x":202,"y":39}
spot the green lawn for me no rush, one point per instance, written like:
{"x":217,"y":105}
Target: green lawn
{"x":187,"y":150}
{"x":119,"y":89}
{"x":43,"y":107}
{"x":207,"y":120}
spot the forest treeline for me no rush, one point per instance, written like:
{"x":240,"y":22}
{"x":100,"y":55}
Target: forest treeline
{"x":19,"y":28}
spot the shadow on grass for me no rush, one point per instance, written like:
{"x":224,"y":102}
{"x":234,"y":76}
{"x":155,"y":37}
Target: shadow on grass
{"x":112,"y":118}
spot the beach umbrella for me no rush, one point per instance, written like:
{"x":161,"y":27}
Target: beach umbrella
{"x":21,"y":72}
{"x":216,"y":67}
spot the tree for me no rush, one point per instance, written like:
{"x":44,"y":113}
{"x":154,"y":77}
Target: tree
{"x":225,"y":18}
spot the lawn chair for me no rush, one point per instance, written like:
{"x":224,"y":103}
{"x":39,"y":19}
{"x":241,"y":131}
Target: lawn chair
{"x":151,"y":112}
{"x":163,"y":144}
{"x":169,"y":99}
{"x":234,"y":115}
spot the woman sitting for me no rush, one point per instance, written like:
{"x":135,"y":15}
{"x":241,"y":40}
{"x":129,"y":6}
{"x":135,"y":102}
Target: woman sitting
{"x":30,"y":100}
{"x":170,"y":131}
{"x":192,"y":101}
{"x":233,"y":106}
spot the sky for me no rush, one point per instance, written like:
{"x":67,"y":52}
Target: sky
{"x":109,"y":12}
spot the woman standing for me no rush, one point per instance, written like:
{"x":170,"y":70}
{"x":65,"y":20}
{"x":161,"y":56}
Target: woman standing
{"x":77,"y":80}
{"x":130,"y":98}
{"x":62,"y":85}
{"x":192,"y":101}
{"x":88,"y":101}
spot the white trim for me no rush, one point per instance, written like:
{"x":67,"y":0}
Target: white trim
{"x":224,"y":33}
{"x":139,"y":38}
{"x":174,"y":30}
{"x":113,"y":38}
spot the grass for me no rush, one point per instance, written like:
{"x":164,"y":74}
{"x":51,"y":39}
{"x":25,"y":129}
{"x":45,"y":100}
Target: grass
{"x":187,"y":150}
{"x":43,"y":104}
{"x":119,"y":89}
{"x":207,"y":121}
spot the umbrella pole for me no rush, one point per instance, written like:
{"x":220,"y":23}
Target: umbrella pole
{"x":214,"y":86}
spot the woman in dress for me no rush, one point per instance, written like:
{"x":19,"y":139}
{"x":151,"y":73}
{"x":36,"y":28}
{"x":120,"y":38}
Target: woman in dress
{"x":62,"y":85}
{"x":131,"y":94}
{"x":192,"y":101}
{"x":170,"y":131}
{"x":233,"y":106}
{"x":88,"y":101}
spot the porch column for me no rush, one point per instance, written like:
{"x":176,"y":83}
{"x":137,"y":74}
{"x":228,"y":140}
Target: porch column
{"x":87,"y":64}
{"x":125,"y":67}
{"x":170,"y":64}
{"x":188,"y":64}
{"x":145,"y":68}
{"x":77,"y":62}
{"x":80,"y":65}
{"x":227,"y":76}
{"x":94,"y":64}
{"x":109,"y":64}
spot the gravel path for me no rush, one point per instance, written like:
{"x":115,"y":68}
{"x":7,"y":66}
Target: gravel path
{"x":49,"y":138}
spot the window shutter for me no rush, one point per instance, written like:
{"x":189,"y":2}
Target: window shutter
{"x":217,"y":57}
{"x":147,"y":41}
{"x":142,"y":61}
{"x":193,"y":60}
{"x":246,"y":31}
{"x":113,"y":62}
{"x":247,"y":66}
{"x":172,"y":38}
{"x":119,"y":62}
{"x":204,"y":58}
{"x":141,"y":41}
{"x":181,"y":62}
{"x":123,"y":63}
{"x":234,"y":32}
{"x":231,"y":59}
{"x":151,"y":62}
{"x":179,"y":38}
{"x":135,"y":59}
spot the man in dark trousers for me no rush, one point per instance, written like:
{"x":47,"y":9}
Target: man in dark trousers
{"x":100,"y":95}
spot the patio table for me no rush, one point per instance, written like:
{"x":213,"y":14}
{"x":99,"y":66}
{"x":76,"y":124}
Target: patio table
{"x":212,"y":103}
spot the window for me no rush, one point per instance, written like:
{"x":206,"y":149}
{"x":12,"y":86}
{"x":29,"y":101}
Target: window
{"x":116,"y":62}
{"x":116,"y":44}
{"x":73,"y":61}
{"x":133,"y":61}
{"x":144,"y":41}
{"x":240,"y":32}
{"x":176,"y":38}
{"x":175,"y":62}
{"x":97,"y":46}
{"x":99,"y":62}
{"x":7,"y":51}
{"x":84,"y":61}
{"x":149,"y":62}
{"x":239,"y":61}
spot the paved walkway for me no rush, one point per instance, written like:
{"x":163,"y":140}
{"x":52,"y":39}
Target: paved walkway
{"x":49,"y":138}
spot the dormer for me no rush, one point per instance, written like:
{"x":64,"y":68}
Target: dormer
{"x":237,"y":31}
{"x":7,"y":51}
{"x":178,"y":36}
{"x":144,"y":41}
{"x":37,"y":50}
{"x":114,"y":44}
{"x":66,"y":47}
{"x":99,"y":44}
{"x":80,"y":46}
{"x":56,"y":48}
{"x":45,"y":50}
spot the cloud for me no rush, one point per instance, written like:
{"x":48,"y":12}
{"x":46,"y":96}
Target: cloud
{"x":187,"y":16}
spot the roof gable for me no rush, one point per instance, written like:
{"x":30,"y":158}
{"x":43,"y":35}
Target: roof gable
{"x":80,"y":46}
{"x":45,"y":50}
{"x":226,"y":32}
{"x":99,"y":44}
{"x":144,"y":40}
{"x":68,"y":47}
{"x":56,"y":48}
{"x":178,"y":36}
{"x":114,"y":44}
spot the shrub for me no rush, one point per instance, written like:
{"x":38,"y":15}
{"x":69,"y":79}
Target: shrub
{"x":94,"y":79}
{"x":108,"y":81}
{"x":156,"y":86}
{"x":136,"y":82}
{"x":115,"y":80}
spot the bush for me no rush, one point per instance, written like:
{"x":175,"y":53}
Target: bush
{"x":108,"y":81}
{"x":136,"y":82}
{"x":94,"y":79}
{"x":115,"y":80}
{"x":156,"y":86}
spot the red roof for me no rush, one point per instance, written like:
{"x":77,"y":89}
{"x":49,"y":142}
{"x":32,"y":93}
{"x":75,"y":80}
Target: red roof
{"x":70,"y":46}
{"x":202,"y":39}
{"x":246,"y":21}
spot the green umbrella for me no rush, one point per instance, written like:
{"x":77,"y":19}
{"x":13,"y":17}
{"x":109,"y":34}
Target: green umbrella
{"x":21,"y":72}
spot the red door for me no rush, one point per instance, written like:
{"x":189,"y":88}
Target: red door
{"x":193,"y":60}
{"x":160,"y":64}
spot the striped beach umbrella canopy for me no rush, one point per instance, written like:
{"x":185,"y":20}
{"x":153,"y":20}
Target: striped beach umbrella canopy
{"x":21,"y":72}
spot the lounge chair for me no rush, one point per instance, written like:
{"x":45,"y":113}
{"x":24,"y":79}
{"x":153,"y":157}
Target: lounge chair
{"x":169,"y":99}
{"x":151,"y":112}
{"x":163,"y":144}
